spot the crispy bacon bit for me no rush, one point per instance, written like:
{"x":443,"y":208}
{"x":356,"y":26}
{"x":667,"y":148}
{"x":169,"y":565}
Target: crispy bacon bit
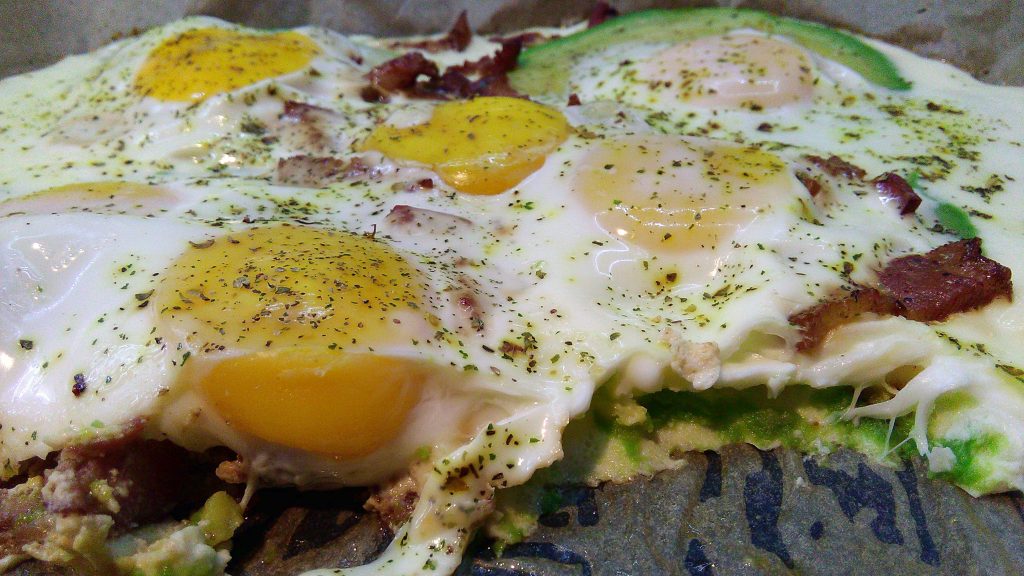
{"x":929,"y":287}
{"x":78,"y":388}
{"x":502,"y":62}
{"x":836,"y":166}
{"x":316,"y":171}
{"x":373,"y":95}
{"x":460,"y":35}
{"x":401,"y":214}
{"x":417,"y":186}
{"x":818,"y":321}
{"x":809,"y":182}
{"x":492,"y":86}
{"x":951,"y":278}
{"x":895,"y":188}
{"x":395,"y":502}
{"x":301,"y":111}
{"x":458,"y":38}
{"x":401,"y":73}
{"x":574,"y":100}
{"x":412,"y":220}
{"x":493,"y":70}
{"x":470,"y":310}
{"x":601,"y":13}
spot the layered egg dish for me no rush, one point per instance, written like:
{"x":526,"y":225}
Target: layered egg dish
{"x":233,"y":259}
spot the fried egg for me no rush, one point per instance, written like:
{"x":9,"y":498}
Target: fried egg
{"x":207,"y":228}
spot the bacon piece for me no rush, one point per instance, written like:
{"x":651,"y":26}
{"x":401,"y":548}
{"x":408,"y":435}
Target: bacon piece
{"x":301,"y":111}
{"x":836,"y":166}
{"x":458,"y":38}
{"x":493,"y":70}
{"x":952,"y":278}
{"x":373,"y":95}
{"x":493,"y":86}
{"x":146,"y":478}
{"x":395,"y":502}
{"x":414,"y":186}
{"x":929,"y":287}
{"x":317,"y":171}
{"x":491,"y":74}
{"x":601,"y":13}
{"x":895,"y":188}
{"x":414,"y":221}
{"x":401,"y":215}
{"x":502,"y":62}
{"x":402,"y":72}
{"x":809,"y":182}
{"x":309,"y":128}
{"x":470,"y":310}
{"x":309,"y":171}
{"x":818,"y":321}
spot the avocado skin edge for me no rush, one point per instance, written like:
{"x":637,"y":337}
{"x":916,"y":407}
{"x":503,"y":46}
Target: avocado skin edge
{"x":543,"y":69}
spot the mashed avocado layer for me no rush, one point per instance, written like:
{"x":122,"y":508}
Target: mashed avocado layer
{"x":621,"y":439}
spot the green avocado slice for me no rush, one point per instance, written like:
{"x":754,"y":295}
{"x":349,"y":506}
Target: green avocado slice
{"x":544,"y":69}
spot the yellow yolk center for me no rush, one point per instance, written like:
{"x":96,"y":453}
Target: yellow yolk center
{"x":345,"y":405}
{"x":280,"y":324}
{"x":671,"y":194}
{"x":197,"y":64}
{"x":733,"y":70}
{"x":480,"y":146}
{"x":107,"y":197}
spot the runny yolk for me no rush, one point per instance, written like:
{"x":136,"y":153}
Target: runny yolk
{"x":672,"y":194}
{"x":280,"y":324}
{"x":342,"y":405}
{"x":197,"y":64}
{"x":733,"y":70}
{"x":481,"y":146}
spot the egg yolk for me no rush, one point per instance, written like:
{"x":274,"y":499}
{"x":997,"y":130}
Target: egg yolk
{"x":671,"y":194}
{"x":481,"y":146}
{"x":732,"y":70}
{"x":343,"y":405}
{"x":283,"y":321}
{"x":107,"y":197}
{"x":197,"y":64}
